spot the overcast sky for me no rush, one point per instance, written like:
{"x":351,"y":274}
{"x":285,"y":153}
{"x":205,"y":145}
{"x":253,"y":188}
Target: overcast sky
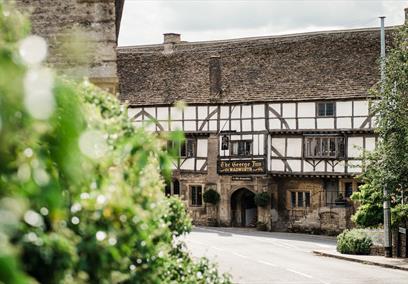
{"x":144,"y":21}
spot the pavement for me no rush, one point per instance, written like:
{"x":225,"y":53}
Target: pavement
{"x":254,"y":257}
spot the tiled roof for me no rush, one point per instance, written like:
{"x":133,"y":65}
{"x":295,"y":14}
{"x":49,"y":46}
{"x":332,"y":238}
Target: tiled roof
{"x":311,"y":66}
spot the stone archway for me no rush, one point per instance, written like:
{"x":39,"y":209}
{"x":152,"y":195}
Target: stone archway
{"x":243,"y":208}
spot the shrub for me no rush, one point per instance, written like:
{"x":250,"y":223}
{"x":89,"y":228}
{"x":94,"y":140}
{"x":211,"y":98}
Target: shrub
{"x":262,"y":199}
{"x":177,"y":217}
{"x":354,"y":241}
{"x":211,"y":196}
{"x":81,"y":189}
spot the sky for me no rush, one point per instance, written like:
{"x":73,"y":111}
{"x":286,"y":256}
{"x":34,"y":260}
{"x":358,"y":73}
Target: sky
{"x":145,"y":21}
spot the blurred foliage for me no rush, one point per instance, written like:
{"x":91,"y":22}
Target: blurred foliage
{"x":81,"y":191}
{"x":387,"y":166}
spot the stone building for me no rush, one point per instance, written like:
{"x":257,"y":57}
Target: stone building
{"x":92,"y":26}
{"x":286,"y":115}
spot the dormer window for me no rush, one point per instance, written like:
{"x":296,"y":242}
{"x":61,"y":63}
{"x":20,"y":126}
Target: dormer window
{"x":326,"y":109}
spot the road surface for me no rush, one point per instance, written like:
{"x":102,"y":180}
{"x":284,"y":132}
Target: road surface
{"x":253,"y":257}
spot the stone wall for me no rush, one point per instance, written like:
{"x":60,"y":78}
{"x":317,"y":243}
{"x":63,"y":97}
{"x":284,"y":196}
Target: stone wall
{"x":96,"y":26}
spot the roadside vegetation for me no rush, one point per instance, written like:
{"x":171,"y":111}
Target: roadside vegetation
{"x":386,"y":166}
{"x":81,"y":189}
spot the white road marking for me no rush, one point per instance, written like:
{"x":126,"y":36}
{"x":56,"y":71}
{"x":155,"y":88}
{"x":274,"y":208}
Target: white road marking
{"x":239,"y":255}
{"x":300,"y":273}
{"x":267,"y":263}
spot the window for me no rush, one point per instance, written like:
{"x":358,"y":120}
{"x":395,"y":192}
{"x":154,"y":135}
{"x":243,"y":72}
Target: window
{"x":326,"y":109}
{"x":324,"y":147}
{"x":241,"y":148}
{"x":299,"y":199}
{"x":172,"y":188}
{"x":331,"y":188}
{"x":348,"y":189}
{"x":196,"y":195}
{"x":187,"y":149}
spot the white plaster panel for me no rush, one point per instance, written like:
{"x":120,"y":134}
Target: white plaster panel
{"x":320,"y":167}
{"x":200,"y":163}
{"x":174,"y":166}
{"x":279,"y":145}
{"x":188,"y":164}
{"x":190,"y":126}
{"x":162,"y":113}
{"x":261,"y":144}
{"x":202,"y":147}
{"x":354,"y":166}
{"x":138,"y":123}
{"x":235,"y":111}
{"x":246,"y":111}
{"x":200,"y":123}
{"x":190,"y":113}
{"x":133,"y":111}
{"x":150,"y":126}
{"x":151,"y":111}
{"x":224,"y":125}
{"x":361,"y":108}
{"x":259,"y":110}
{"x":325,"y":123}
{"x":295,"y":165}
{"x":247,"y":137}
{"x":289,"y":110}
{"x":202,"y":112}
{"x":235,"y":137}
{"x":176,"y":113}
{"x":259,"y":124}
{"x":235,"y":125}
{"x":294,"y":147}
{"x":246,"y":125}
{"x":344,"y":122}
{"x":339,"y":168}
{"x":274,"y":124}
{"x":344,"y":109}
{"x":358,"y":121}
{"x":211,"y":109}
{"x":306,"y":109}
{"x":354,"y":147}
{"x":306,"y":123}
{"x":369,"y":143}
{"x":277,"y":165}
{"x":164,"y":124}
{"x":307,"y":167}
{"x":225,"y":113}
{"x":275,"y":107}
{"x":213,"y":125}
{"x":176,"y":125}
{"x":291,"y":123}
{"x":269,"y":151}
{"x":256,"y":145}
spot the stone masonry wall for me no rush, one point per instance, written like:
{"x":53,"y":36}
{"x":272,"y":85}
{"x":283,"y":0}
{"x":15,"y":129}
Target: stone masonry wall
{"x":97,"y":20}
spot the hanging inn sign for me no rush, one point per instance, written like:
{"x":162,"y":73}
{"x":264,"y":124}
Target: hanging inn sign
{"x":237,"y":167}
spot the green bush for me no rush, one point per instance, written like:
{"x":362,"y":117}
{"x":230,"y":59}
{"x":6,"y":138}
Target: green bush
{"x":211,"y":196}
{"x":354,"y":241}
{"x":177,"y":217}
{"x":262,"y":199}
{"x":81,"y":189}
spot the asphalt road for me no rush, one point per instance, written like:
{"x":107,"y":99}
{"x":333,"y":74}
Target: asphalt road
{"x":253,"y":257}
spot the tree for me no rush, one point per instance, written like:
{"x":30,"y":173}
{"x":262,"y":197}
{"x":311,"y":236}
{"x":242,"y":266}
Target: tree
{"x":387,"y":166}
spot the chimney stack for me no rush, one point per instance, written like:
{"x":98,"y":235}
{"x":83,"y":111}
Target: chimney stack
{"x":172,"y":38}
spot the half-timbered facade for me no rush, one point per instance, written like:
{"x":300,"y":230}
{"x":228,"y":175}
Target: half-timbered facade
{"x":287,"y":115}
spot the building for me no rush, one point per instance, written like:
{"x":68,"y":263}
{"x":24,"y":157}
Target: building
{"x":98,"y":23}
{"x":287,"y":115}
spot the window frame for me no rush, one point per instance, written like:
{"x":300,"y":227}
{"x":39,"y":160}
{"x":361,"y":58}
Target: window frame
{"x":243,"y":141}
{"x":195,"y":201}
{"x":325,"y":109}
{"x":320,"y":147}
{"x":306,"y":201}
{"x":184,"y":145}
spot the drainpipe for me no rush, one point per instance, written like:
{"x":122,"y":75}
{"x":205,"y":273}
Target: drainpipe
{"x":386,"y":204}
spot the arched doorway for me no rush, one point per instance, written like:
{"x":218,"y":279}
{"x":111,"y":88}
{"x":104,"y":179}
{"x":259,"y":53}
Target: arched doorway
{"x":243,"y":208}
